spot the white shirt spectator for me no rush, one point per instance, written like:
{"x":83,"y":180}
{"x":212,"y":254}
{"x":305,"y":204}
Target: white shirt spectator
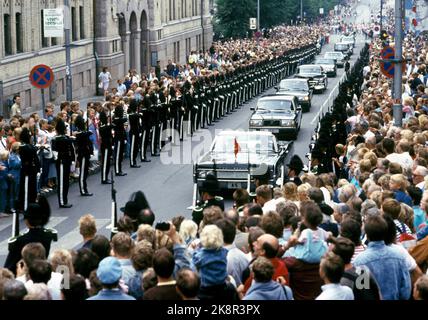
{"x":335,"y":291}
{"x":121,"y":89}
{"x":54,"y":284}
{"x":404,"y":159}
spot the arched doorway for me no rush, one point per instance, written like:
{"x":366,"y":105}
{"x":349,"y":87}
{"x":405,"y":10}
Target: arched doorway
{"x":134,"y":46}
{"x":145,"y":52}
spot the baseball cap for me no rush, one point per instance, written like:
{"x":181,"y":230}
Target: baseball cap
{"x":109,"y":271}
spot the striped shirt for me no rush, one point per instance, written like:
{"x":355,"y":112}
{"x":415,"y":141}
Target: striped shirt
{"x":399,"y":226}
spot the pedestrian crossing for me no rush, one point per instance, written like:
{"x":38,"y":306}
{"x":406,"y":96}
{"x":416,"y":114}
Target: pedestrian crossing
{"x":69,"y":240}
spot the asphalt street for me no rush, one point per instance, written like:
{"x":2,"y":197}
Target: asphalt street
{"x":166,"y":181}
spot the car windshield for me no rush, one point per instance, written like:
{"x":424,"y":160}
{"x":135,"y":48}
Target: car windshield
{"x":341,"y":47}
{"x":324,"y":61}
{"x":293,"y":86}
{"x":274,"y":106}
{"x":246,"y":143}
{"x":348,"y":39}
{"x":334,"y":54}
{"x":309,"y":69}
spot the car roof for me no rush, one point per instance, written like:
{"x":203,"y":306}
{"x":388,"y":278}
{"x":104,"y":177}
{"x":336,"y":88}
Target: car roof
{"x":242,"y":133}
{"x":333,"y":53}
{"x":277,"y":97}
{"x":294,"y":80}
{"x":342,"y":44}
{"x":309,"y":65}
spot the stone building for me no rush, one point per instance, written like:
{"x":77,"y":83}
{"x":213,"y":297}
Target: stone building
{"x":119,"y":34}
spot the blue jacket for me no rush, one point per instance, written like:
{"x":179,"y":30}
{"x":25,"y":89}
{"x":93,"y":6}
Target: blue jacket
{"x":389,"y":268}
{"x":15,"y":165}
{"x":3,"y":176}
{"x":182,"y":258}
{"x":111,"y":295}
{"x":422,"y":233}
{"x":268,"y":291}
{"x":212,"y":265}
{"x":135,"y":287}
{"x":403,"y":197}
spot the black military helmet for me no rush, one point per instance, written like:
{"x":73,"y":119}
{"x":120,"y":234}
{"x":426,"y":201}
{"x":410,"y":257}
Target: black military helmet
{"x":210,"y":185}
{"x":296,"y":164}
{"x":38,"y":214}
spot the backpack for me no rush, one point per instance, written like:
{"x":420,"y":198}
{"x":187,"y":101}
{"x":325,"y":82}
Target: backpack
{"x":407,"y":240}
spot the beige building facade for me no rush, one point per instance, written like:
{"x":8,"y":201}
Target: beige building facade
{"x":118,"y":34}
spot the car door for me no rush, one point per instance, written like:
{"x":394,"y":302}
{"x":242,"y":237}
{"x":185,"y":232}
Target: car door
{"x":299,"y":112}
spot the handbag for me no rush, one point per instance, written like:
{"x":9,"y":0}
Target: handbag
{"x":100,"y":85}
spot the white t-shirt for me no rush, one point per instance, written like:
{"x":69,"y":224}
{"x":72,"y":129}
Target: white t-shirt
{"x":104,"y":77}
{"x":404,"y":159}
{"x":54,"y":284}
{"x":317,"y":235}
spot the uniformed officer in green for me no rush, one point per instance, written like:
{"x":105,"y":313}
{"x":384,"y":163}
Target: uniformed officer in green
{"x":209,"y":197}
{"x":36,"y":217}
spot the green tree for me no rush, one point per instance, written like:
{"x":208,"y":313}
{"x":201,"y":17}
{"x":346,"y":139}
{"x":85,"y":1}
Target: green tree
{"x":233,"y":17}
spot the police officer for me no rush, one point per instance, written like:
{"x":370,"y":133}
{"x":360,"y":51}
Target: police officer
{"x":106,"y":147}
{"x":36,"y":217}
{"x":29,"y":170}
{"x":209,"y":191}
{"x":119,"y":122}
{"x":134,"y":132}
{"x":295,"y":167}
{"x":63,"y":145}
{"x":85,"y":150}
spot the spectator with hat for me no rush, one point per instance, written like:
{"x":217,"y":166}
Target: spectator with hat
{"x":109,"y":273}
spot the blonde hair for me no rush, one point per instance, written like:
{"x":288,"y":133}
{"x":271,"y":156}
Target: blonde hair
{"x":87,"y":226}
{"x":290,"y":191}
{"x":188,"y":230}
{"x":212,"y":237}
{"x":400,"y":180}
{"x":146,"y":232}
{"x":372,"y":157}
{"x":4,"y":155}
{"x":16,"y":146}
{"x":63,"y":258}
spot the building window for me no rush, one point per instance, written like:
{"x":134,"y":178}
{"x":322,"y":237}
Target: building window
{"x":177,"y":51}
{"x":82,"y":22}
{"x":73,"y":24}
{"x":19,"y":43}
{"x":173,"y":10}
{"x":188,"y":45}
{"x":170,"y":10}
{"x":7,"y":35}
{"x":42,"y":27}
{"x":183,"y":9}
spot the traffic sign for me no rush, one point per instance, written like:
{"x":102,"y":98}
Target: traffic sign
{"x":388,"y":67}
{"x":253,"y":24}
{"x":42,"y":76}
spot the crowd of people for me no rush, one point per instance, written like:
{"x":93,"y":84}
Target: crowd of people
{"x":39,"y":154}
{"x":354,"y":228}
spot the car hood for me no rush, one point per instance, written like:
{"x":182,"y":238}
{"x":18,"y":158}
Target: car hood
{"x":330,"y":66}
{"x":308,"y":75}
{"x":228,"y":159}
{"x":273,"y":116}
{"x":293,"y":93}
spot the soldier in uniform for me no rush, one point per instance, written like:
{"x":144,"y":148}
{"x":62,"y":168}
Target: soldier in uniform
{"x":134,"y":132}
{"x":145,"y":121}
{"x":29,"y":170}
{"x":36,"y":217}
{"x":209,"y":190}
{"x":163,"y":116}
{"x":155,"y":106}
{"x":63,"y":145}
{"x":295,"y":167}
{"x":106,"y":147}
{"x":174,"y":105}
{"x":119,"y":122}
{"x":85,"y":149}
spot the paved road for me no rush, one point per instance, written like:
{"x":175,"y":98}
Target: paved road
{"x":167,"y":186}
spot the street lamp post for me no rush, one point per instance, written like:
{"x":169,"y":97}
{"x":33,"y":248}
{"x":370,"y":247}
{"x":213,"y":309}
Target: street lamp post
{"x":67,"y":31}
{"x":301,"y":11}
{"x":398,"y":74}
{"x":258,"y":22}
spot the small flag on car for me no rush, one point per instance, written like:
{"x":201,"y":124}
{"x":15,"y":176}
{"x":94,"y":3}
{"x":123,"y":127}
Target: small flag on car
{"x":237,"y":148}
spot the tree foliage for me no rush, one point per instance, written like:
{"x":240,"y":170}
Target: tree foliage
{"x":232,"y":16}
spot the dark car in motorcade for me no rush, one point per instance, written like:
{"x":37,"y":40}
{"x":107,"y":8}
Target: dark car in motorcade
{"x":339,"y":57}
{"x":298,"y":88}
{"x":315,"y":74}
{"x":238,"y":158}
{"x":345,"y":48}
{"x":278,"y":114}
{"x":328,"y":65}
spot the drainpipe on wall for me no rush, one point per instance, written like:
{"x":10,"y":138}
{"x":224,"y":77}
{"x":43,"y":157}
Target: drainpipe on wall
{"x":97,"y":60}
{"x":202,"y":26}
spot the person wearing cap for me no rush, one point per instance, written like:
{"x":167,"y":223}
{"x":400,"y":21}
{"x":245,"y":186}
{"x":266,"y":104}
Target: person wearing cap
{"x":295,"y":167}
{"x":36,"y":217}
{"x":210,"y":188}
{"x":109,"y":273}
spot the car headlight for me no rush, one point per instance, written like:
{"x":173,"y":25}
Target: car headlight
{"x":304,"y":98}
{"x":202,"y":174}
{"x":287,"y":123}
{"x":256,"y":123}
